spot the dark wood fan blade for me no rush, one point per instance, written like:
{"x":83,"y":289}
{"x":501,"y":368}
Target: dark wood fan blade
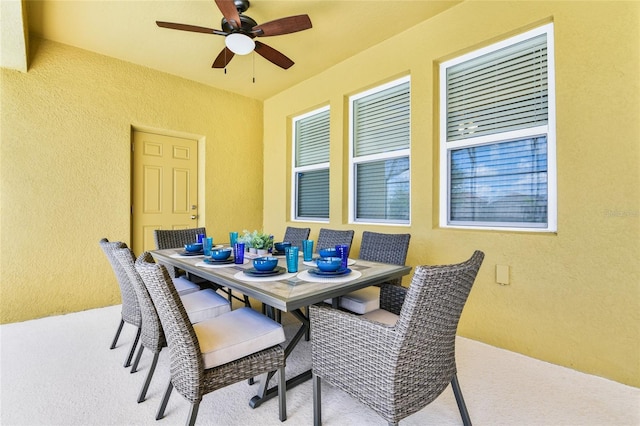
{"x":281,"y":26}
{"x":229,"y":11}
{"x":223,"y":58}
{"x":272,"y":55}
{"x":186,"y":27}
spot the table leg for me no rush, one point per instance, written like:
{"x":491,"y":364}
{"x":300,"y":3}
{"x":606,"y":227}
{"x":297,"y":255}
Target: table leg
{"x":265,"y":393}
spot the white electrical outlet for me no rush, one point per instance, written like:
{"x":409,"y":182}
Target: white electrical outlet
{"x":502,"y":274}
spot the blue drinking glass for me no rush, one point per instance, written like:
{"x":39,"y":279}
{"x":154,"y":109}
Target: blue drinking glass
{"x":238,"y":253}
{"x":291,"y":253}
{"x":343,"y":252}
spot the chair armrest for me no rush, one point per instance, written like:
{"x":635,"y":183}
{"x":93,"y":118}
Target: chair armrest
{"x":327,"y":318}
{"x":392,"y":297}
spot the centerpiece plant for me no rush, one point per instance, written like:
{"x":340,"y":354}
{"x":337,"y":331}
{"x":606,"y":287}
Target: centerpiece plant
{"x":257,"y":240}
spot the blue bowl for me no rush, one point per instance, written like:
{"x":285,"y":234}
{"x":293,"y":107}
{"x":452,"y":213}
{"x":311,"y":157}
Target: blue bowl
{"x":281,"y":246}
{"x":220,"y":254}
{"x":328,"y":252}
{"x":265,"y":263}
{"x":329,"y":264}
{"x":193,"y":247}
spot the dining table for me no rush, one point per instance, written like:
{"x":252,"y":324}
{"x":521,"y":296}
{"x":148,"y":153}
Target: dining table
{"x":284,"y":291}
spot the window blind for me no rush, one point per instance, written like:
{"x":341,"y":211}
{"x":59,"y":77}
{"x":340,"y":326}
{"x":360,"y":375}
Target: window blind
{"x":311,"y":165}
{"x":498,"y":166}
{"x":382,"y":189}
{"x":312,"y":138}
{"x":381,"y":121}
{"x":313,"y":194}
{"x":500,"y":183}
{"x":501,"y":91}
{"x":381,"y":136}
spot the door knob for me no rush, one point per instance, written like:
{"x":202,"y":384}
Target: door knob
{"x":193,"y":217}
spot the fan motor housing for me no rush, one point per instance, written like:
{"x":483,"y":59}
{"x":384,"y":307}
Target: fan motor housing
{"x":246,"y":25}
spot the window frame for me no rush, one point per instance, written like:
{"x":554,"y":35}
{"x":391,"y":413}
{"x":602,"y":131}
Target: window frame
{"x":313,"y":167}
{"x":391,"y":155}
{"x":549,"y":131}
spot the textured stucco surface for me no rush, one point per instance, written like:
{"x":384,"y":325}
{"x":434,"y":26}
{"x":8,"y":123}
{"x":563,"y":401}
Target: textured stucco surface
{"x":574,"y":296}
{"x":66,"y":168}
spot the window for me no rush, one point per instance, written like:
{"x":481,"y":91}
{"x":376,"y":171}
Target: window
{"x":380,"y":136}
{"x":311,"y":166}
{"x":497,"y":143}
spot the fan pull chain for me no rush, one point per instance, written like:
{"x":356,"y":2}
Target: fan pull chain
{"x":253,"y":56}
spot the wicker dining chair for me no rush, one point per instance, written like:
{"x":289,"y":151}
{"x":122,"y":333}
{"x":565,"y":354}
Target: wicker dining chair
{"x":377,"y":247}
{"x":400,"y":358}
{"x":176,"y":238}
{"x":296,"y":235}
{"x":131,"y":313}
{"x":212,"y":354}
{"x":200,"y":306}
{"x":329,"y":238}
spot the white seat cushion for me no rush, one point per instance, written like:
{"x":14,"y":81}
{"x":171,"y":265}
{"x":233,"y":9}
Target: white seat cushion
{"x":236,"y":334}
{"x":380,"y":315}
{"x":361,"y":301}
{"x":204,"y":304}
{"x":184,"y":286}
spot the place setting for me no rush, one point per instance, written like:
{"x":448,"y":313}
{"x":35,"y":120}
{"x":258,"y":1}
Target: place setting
{"x":329,"y":269}
{"x":309,"y":260}
{"x":201,"y":247}
{"x":222,"y":257}
{"x":266,"y":269}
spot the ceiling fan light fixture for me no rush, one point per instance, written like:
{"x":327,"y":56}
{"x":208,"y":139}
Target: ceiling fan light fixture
{"x":240,"y":44}
{"x":239,"y":31}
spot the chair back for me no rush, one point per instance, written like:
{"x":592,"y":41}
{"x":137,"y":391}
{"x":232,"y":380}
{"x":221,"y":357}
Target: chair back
{"x":329,"y":238}
{"x":386,"y":248}
{"x":175,"y":238}
{"x":130,"y":306}
{"x":296,"y":235}
{"x":187,"y":367}
{"x":152,"y":336}
{"x":428,"y":323}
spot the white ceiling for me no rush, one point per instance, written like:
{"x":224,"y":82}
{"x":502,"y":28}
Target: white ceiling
{"x":126,"y":29}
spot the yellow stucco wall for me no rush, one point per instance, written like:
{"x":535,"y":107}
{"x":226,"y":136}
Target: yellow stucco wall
{"x":574,"y":297}
{"x":65,"y":169}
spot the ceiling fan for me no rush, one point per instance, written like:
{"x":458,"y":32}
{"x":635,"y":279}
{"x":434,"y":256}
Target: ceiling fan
{"x":240,"y":30}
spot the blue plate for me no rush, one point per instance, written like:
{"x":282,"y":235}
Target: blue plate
{"x":255,"y":273}
{"x":191,"y":253}
{"x":218,"y":262}
{"x":319,"y":273}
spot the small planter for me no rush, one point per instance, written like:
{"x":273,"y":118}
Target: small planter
{"x":257,"y":242}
